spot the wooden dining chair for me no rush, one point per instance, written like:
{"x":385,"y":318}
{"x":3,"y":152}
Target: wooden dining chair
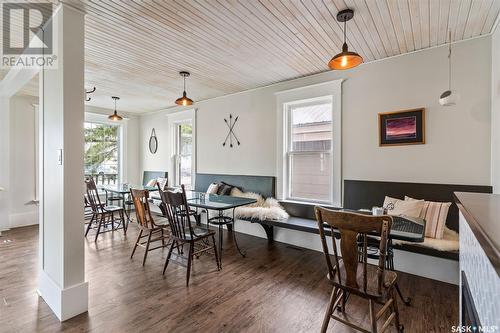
{"x":352,"y":275}
{"x":153,"y":231}
{"x":102,"y":215}
{"x":198,"y":239}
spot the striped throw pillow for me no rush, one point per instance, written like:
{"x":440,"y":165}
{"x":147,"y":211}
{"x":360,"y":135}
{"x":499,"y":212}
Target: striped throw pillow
{"x":435,"y":214}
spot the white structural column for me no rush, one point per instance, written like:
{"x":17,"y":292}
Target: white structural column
{"x":62,"y":273}
{"x":4,"y":161}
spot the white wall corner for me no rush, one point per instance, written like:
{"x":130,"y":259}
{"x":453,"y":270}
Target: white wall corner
{"x":65,"y":303}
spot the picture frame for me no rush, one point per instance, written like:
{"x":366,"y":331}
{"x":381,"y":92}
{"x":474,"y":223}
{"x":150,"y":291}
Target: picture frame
{"x":398,"y":128}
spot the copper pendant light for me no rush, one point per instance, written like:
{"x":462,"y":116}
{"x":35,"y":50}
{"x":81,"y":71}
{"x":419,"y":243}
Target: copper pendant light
{"x":345,"y":59}
{"x":115,"y":116}
{"x":184,"y":100}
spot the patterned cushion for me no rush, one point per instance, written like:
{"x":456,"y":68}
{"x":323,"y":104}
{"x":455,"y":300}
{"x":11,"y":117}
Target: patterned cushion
{"x":213,"y":188}
{"x":401,"y":207}
{"x":224,"y":189}
{"x":435,"y":214}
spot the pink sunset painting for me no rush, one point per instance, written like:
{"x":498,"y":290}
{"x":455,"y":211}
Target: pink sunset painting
{"x":401,"y":128}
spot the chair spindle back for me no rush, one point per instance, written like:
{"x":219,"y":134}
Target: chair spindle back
{"x":177,"y":211}
{"x":92,"y":195}
{"x":141,"y":205}
{"x":351,"y":226}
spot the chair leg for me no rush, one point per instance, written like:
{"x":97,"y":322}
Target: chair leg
{"x":215,"y":252}
{"x":190,"y":260}
{"x":124,"y":223}
{"x":101,"y":221}
{"x":329,"y":310}
{"x":147,"y":248}
{"x":90,"y":224}
{"x":400,"y":328}
{"x":344,"y":300}
{"x":136,"y":242}
{"x":112,"y":221}
{"x":174,"y":243}
{"x":373,"y":316}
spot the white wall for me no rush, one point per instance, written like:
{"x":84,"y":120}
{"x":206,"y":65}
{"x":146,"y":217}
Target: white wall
{"x":22,"y":209}
{"x":404,"y":82}
{"x":161,"y":161}
{"x":495,"y":110}
{"x":4,"y":161}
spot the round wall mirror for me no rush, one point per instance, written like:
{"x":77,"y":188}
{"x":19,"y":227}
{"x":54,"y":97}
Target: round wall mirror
{"x":153,"y":142}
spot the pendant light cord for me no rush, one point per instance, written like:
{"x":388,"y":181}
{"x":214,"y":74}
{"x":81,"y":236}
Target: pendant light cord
{"x":345,"y":28}
{"x":449,"y":65}
{"x":184,"y":76}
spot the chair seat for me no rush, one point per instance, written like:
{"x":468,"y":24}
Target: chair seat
{"x":390,"y":278}
{"x":198,"y":233}
{"x":110,"y":209}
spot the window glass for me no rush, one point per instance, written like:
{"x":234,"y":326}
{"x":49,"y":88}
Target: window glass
{"x":185,"y":154}
{"x":102,"y":152}
{"x":309,"y":151}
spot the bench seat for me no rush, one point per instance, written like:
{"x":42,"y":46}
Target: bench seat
{"x":310,"y":226}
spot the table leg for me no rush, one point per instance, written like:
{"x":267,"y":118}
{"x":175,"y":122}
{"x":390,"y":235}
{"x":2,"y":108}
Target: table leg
{"x":220,"y":231}
{"x":242,"y":252}
{"x":390,"y":266}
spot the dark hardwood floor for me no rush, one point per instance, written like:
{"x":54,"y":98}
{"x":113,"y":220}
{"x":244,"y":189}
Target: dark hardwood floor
{"x":274,"y":289}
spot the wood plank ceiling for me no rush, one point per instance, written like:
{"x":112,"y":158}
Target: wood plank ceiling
{"x":135,"y":49}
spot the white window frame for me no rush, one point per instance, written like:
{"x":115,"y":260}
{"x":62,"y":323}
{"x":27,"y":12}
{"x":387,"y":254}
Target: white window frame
{"x":309,"y":94}
{"x":176,"y":119}
{"x":289,"y":152}
{"x":122,"y":137}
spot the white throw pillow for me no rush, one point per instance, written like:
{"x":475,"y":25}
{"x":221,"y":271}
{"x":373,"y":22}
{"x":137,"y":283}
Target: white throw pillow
{"x":401,"y":207}
{"x":212,"y":189}
{"x":162,"y":182}
{"x":435,"y":214}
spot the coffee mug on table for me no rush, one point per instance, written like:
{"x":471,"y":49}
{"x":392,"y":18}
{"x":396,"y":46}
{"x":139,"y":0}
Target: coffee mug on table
{"x":377,"y":211}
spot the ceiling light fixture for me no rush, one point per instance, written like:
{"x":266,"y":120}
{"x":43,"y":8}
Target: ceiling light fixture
{"x":184,"y":100}
{"x":345,"y":59}
{"x":115,"y":116}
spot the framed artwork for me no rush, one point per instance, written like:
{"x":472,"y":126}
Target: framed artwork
{"x":405,"y":127}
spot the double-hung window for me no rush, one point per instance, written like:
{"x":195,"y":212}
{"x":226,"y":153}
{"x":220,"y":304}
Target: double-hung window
{"x":102,"y":152}
{"x":184,"y":152}
{"x":308,"y":170}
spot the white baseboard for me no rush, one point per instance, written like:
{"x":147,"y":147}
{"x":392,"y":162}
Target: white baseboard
{"x":23,"y":219}
{"x":439,"y":269}
{"x":65,"y":303}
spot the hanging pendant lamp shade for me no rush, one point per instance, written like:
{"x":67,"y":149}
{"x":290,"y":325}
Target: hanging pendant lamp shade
{"x":115,"y":116}
{"x":184,"y":100}
{"x":345,"y":59}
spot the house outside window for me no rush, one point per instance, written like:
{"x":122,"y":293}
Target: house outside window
{"x":309,"y":151}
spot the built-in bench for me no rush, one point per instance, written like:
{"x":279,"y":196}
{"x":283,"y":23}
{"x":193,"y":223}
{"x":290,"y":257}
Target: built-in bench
{"x":358,"y":194}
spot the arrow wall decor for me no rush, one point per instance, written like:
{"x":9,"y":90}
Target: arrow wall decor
{"x":231,"y":135}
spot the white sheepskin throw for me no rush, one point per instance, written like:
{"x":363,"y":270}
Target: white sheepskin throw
{"x":449,"y":242}
{"x":268,"y":209}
